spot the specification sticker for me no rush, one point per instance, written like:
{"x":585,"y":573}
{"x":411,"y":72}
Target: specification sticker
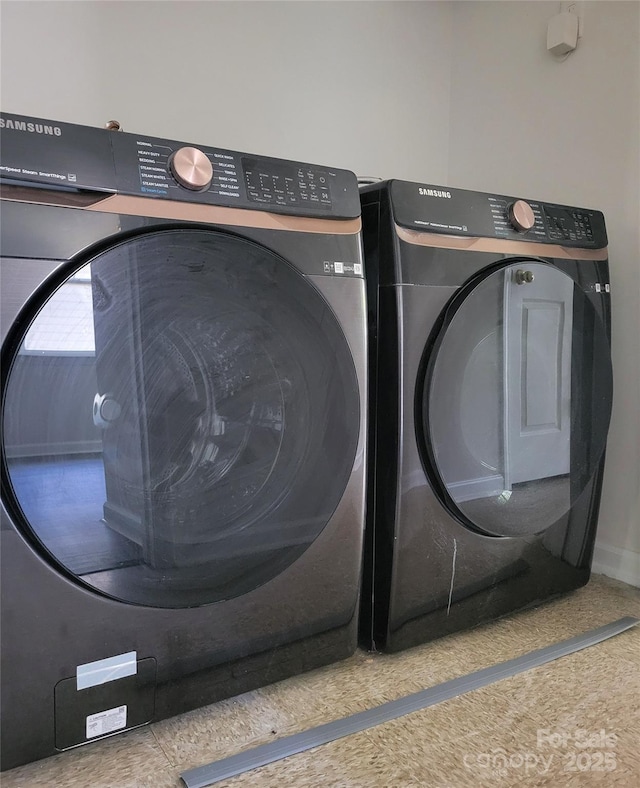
{"x":106,"y":721}
{"x":338,"y":267}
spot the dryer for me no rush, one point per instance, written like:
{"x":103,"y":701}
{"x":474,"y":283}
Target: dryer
{"x":184,"y":405}
{"x":490,"y":392}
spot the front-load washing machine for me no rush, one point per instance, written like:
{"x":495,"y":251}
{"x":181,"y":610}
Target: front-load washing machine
{"x":490,"y":396}
{"x":184,"y":404}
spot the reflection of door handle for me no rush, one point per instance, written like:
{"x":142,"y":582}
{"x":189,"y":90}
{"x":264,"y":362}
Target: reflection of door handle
{"x":524,"y":277}
{"x":105,"y":410}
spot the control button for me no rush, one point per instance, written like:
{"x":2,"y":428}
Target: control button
{"x":191,"y":168}
{"x":521,"y":216}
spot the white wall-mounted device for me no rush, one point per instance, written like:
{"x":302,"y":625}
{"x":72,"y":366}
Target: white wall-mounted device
{"x":562,"y":33}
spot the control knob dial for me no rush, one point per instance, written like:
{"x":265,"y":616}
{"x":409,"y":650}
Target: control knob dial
{"x":191,"y":168}
{"x":521,"y":216}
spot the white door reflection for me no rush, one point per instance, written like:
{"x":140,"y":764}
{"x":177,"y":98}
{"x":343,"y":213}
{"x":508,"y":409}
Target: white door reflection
{"x":499,"y":406}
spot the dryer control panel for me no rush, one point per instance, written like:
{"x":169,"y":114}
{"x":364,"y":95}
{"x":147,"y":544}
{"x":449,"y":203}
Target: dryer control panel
{"x":440,"y":209}
{"x":80,"y":158}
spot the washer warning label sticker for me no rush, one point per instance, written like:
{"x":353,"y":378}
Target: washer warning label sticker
{"x":106,"y":721}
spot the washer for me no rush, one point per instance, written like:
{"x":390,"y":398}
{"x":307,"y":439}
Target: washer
{"x":184,"y":399}
{"x":490,"y":396}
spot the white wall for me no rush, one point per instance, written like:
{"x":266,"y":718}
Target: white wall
{"x":525,"y":124}
{"x":336,"y":83}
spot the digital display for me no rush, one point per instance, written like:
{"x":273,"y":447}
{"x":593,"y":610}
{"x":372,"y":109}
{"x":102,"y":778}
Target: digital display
{"x":560,"y":218}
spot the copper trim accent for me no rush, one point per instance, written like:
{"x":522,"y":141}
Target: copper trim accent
{"x":181,"y":211}
{"x":521,"y":216}
{"x":191,"y":168}
{"x":498,"y":245}
{"x":215,"y":214}
{"x":50,"y":196}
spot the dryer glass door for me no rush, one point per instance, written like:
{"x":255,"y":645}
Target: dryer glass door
{"x":516,"y":399}
{"x":181,"y":418}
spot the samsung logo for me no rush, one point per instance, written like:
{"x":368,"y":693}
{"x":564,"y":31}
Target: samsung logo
{"x":434,"y":193}
{"x":33,"y":128}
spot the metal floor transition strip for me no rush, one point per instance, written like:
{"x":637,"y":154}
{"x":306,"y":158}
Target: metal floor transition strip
{"x":290,"y":745}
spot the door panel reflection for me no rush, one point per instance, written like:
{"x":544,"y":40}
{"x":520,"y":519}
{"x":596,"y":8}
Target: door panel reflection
{"x":512,"y":432}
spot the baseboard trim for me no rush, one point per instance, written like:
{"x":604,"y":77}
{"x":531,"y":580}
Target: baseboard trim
{"x":62,"y":448}
{"x":471,"y":489}
{"x":616,"y":562}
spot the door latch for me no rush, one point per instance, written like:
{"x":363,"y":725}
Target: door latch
{"x":106,"y":410}
{"x":524,"y":277}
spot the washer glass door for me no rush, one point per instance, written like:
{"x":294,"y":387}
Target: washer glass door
{"x":516,"y":399}
{"x":201,"y":422}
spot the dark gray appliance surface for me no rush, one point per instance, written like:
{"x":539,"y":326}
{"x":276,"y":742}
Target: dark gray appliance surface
{"x":62,"y":609}
{"x":435,"y":565}
{"x":463,"y":213}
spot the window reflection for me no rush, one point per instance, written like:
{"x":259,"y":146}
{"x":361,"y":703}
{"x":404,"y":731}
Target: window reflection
{"x":65,"y":323}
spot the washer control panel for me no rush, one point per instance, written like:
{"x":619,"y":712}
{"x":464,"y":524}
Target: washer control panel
{"x":216,"y":176}
{"x":151,"y":166}
{"x":80,"y":158}
{"x":459,"y":212}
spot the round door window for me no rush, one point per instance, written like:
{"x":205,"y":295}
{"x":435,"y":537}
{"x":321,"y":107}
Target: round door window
{"x":515,"y":403}
{"x":201,"y":423}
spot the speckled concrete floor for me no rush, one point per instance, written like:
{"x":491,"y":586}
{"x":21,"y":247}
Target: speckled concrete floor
{"x":527,"y":730}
